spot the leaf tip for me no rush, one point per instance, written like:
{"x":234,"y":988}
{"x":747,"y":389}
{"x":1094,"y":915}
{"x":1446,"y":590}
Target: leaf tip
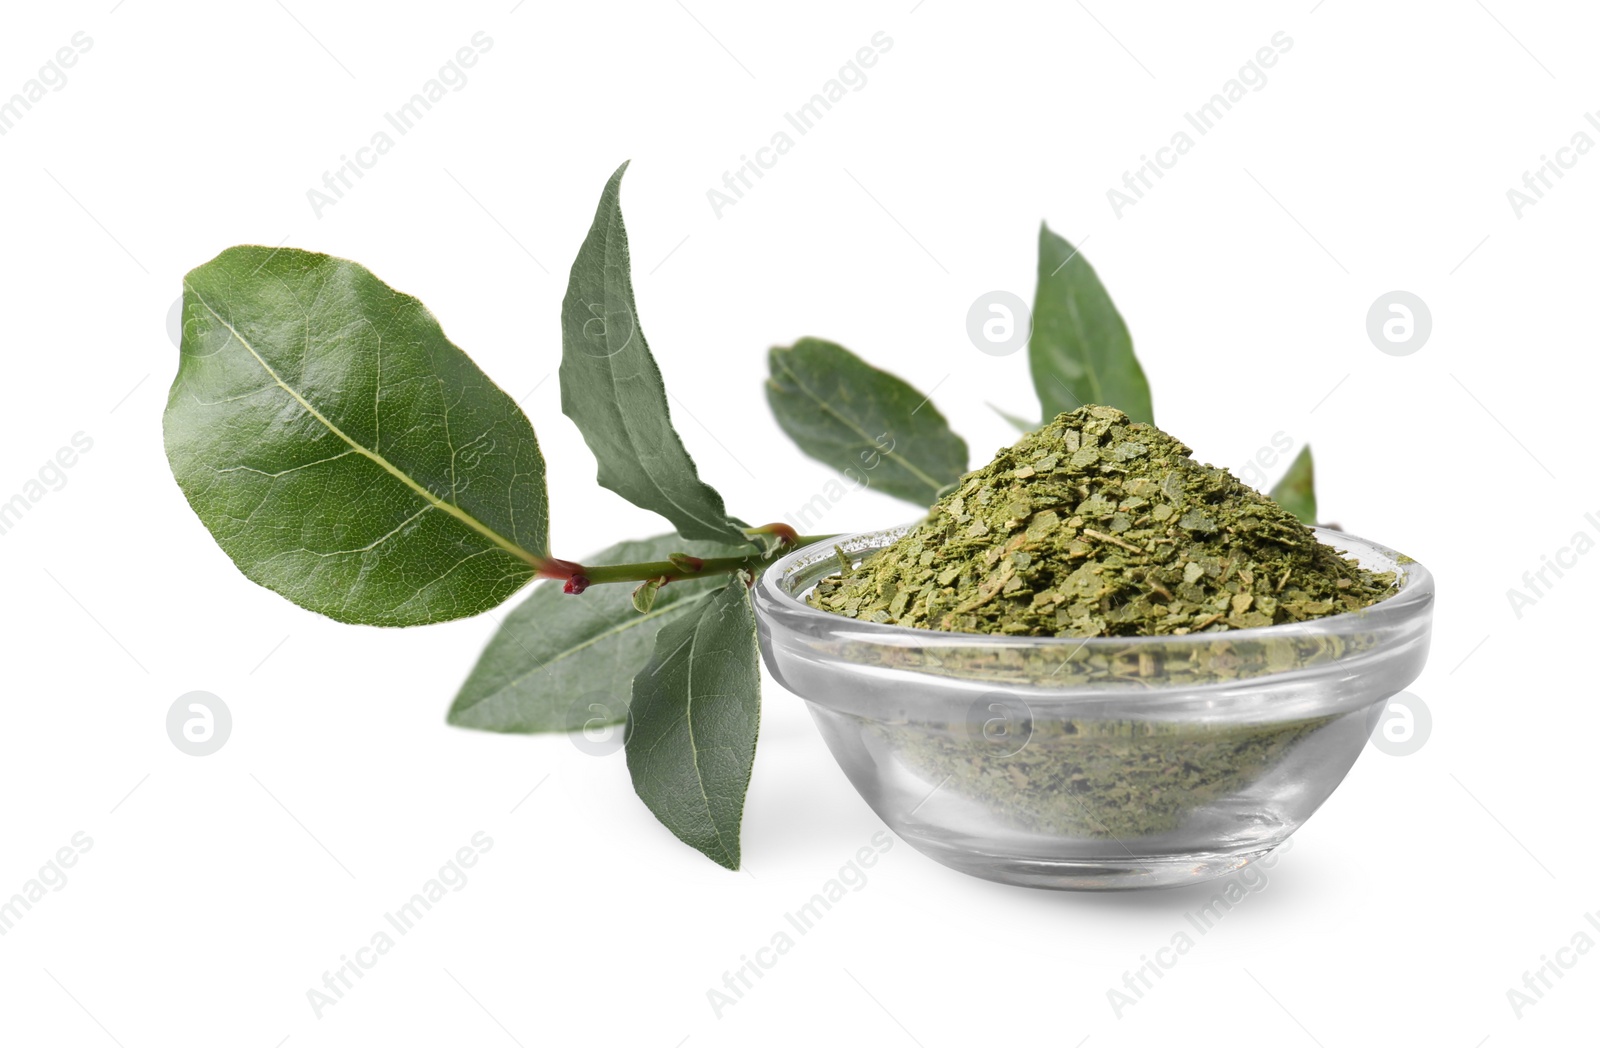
{"x":1297,"y":490}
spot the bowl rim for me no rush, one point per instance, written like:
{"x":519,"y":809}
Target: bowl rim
{"x":1414,"y":598}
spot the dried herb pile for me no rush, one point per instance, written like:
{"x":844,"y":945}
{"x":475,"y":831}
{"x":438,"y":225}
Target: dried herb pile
{"x":1095,"y":525}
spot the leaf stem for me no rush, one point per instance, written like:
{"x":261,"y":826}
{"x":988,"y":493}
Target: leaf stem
{"x":580,"y":576}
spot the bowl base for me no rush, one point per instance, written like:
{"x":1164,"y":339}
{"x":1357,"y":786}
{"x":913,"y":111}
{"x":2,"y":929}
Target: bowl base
{"x":1129,"y":873}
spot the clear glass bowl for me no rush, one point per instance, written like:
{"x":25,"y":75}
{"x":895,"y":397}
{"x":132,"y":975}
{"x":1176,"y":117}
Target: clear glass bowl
{"x":1107,"y":762}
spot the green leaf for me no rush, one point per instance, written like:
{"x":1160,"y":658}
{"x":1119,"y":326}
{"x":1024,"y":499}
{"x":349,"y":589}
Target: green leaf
{"x":1022,"y":424}
{"x":555,"y":652}
{"x":1297,"y":491}
{"x":864,"y":422}
{"x":342,"y":451}
{"x":692,"y":727}
{"x":1080,"y":351}
{"x":611,"y":387}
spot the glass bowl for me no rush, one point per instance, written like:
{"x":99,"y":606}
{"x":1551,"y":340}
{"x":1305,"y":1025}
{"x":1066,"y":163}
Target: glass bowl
{"x":1103,"y":762}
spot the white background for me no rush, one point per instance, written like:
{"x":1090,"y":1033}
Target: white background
{"x":1376,"y":157}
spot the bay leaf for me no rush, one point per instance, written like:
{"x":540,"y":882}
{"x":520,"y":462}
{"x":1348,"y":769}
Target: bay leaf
{"x":611,"y":387}
{"x":691,"y":736}
{"x":342,"y":451}
{"x":868,"y":424}
{"x":555,"y":648}
{"x":1080,"y":351}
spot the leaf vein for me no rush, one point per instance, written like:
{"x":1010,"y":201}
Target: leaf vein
{"x":422,"y":492}
{"x":893,"y":456}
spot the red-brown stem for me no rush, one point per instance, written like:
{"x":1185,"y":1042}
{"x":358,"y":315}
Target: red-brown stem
{"x":579,"y":577}
{"x":555,"y":568}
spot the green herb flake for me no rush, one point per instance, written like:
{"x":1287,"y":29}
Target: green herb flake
{"x":1231,"y":557}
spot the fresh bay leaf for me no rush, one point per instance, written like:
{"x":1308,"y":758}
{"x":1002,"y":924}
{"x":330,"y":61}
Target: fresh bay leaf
{"x":342,"y":451}
{"x":612,"y":389}
{"x":556,"y":652}
{"x":1080,"y":351}
{"x":692,"y":727}
{"x":1297,"y":491}
{"x":866,"y":423}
